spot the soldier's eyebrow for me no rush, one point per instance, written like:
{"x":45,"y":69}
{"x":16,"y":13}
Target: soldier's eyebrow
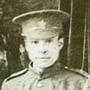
{"x":49,"y":39}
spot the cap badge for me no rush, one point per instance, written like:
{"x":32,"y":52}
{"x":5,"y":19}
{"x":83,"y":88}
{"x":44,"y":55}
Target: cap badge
{"x":42,"y":24}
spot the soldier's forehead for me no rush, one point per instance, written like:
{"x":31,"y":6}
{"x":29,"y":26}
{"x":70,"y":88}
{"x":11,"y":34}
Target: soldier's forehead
{"x":38,"y":39}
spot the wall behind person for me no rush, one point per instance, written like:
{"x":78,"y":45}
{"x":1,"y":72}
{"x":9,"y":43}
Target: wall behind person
{"x":12,"y":39}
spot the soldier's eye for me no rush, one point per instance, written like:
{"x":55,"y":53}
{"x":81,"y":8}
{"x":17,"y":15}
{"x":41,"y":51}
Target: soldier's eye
{"x":35,"y":42}
{"x":49,"y":41}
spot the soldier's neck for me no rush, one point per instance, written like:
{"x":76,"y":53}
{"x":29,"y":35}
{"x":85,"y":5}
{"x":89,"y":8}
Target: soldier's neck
{"x":38,"y":69}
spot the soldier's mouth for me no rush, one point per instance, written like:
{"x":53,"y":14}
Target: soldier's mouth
{"x":42,"y":57}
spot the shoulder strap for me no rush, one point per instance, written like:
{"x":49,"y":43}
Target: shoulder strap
{"x":16,"y":74}
{"x":78,"y":71}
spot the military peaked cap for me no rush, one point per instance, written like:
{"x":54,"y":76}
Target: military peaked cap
{"x":43,"y":23}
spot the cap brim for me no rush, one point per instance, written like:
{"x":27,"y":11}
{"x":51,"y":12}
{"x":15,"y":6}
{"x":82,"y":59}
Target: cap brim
{"x":61,"y":14}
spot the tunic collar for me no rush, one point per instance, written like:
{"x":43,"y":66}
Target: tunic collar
{"x":51,"y":71}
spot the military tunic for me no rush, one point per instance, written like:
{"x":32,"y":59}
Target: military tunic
{"x":54,"y":78}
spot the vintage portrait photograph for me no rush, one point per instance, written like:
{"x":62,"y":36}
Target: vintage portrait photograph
{"x":44,"y":44}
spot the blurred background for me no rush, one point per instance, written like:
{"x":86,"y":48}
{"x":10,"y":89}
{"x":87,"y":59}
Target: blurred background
{"x":76,"y":53}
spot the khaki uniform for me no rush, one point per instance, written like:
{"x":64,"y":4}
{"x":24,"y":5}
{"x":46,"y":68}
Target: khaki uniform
{"x":54,"y":78}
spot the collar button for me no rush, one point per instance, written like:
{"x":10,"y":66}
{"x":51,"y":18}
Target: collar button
{"x":39,"y":85}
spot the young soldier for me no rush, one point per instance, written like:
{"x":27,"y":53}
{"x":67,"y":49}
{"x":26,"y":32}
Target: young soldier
{"x":43,"y":32}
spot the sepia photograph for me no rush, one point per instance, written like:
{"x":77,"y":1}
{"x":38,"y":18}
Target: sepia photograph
{"x":44,"y":44}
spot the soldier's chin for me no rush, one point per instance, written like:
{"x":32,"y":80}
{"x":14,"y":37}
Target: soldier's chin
{"x":44,"y":65}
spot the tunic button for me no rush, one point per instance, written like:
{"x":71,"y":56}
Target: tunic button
{"x":39,"y":85}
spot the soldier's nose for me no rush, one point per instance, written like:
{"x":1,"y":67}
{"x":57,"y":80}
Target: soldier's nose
{"x":44,"y":52}
{"x":42,"y":48}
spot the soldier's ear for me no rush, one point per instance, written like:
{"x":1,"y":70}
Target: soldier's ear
{"x":61,"y":43}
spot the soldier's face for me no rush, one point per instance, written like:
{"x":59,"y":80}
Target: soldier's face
{"x":43,"y":52}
